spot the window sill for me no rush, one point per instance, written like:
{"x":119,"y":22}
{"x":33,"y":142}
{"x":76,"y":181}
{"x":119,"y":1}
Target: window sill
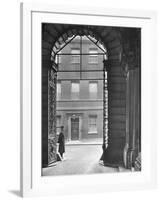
{"x":92,"y":132}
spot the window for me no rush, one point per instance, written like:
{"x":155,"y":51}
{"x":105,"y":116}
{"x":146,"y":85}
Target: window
{"x":58,"y":124}
{"x":58,"y":90}
{"x":75,"y":58}
{"x":93,"y":58}
{"x":75,"y":90}
{"x":93,"y":87}
{"x":92,"y":125}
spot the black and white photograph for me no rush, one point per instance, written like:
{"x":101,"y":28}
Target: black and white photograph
{"x":80,"y":100}
{"x":90,"y":99}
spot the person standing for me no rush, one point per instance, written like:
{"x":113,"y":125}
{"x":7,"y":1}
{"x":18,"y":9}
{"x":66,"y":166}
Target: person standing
{"x":61,"y":141}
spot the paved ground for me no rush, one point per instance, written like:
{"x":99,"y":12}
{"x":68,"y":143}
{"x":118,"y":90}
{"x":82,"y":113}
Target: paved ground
{"x":79,"y":159}
{"x":86,"y":141}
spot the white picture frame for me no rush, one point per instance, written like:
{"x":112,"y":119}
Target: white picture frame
{"x":32,"y":183}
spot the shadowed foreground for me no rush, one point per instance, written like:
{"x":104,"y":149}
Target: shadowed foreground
{"x":79,"y":159}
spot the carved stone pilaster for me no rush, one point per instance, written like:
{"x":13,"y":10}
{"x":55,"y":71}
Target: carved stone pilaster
{"x":54,"y":66}
{"x":105,"y":106}
{"x":52,"y":79}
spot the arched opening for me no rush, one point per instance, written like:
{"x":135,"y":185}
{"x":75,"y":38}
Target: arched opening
{"x":79,"y":105}
{"x":54,"y":38}
{"x":80,"y":77}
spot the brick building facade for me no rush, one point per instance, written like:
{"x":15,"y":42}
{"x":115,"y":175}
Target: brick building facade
{"x":80,"y":91}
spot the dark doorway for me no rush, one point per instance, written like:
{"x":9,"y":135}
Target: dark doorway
{"x":75,"y":128}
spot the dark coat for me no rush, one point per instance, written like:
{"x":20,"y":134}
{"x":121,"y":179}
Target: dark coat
{"x":61,"y":141}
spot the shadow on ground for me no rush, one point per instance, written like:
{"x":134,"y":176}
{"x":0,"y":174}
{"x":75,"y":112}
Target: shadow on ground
{"x":15,"y":192}
{"x":79,"y":159}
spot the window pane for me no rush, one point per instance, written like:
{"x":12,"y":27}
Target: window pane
{"x":92,"y":124}
{"x":75,"y":90}
{"x":93,"y":58}
{"x":75,"y":87}
{"x":75,"y":51}
{"x":93,"y":89}
{"x":75,"y":58}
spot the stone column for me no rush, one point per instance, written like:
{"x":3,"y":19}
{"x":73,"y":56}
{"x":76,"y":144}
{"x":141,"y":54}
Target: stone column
{"x":114,"y":108}
{"x":131,"y":149}
{"x":132,"y":65}
{"x":46,"y":66}
{"x":137,"y":138}
{"x":52,"y":139}
{"x":48,"y":112}
{"x":126,"y":74}
{"x":131,"y":117}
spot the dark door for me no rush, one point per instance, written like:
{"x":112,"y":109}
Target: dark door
{"x":75,"y":128}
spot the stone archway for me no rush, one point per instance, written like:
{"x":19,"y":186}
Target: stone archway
{"x":53,"y":35}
